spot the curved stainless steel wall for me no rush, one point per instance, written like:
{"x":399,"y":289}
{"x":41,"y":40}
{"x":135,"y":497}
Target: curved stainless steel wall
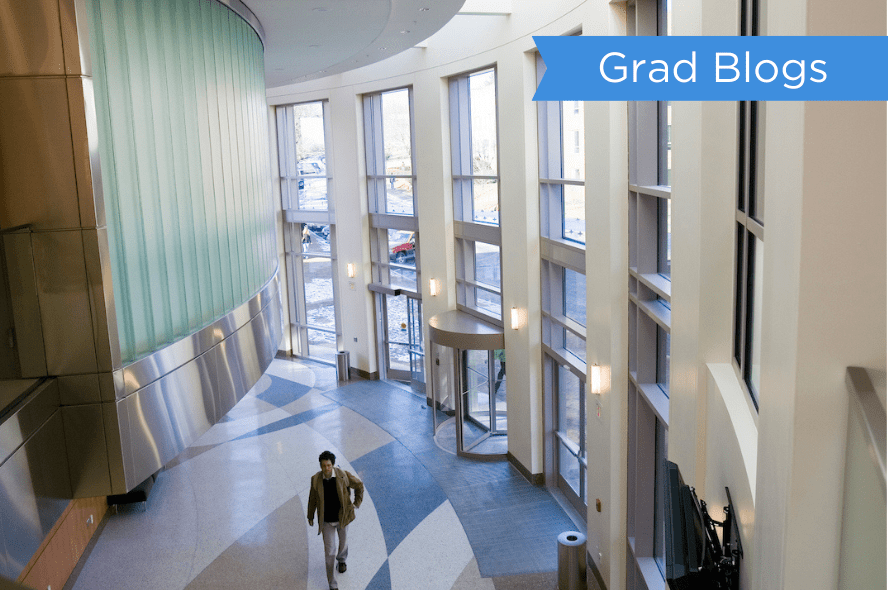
{"x":167,"y":400}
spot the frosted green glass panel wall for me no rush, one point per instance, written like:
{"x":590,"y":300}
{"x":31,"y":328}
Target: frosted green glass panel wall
{"x":183,"y":141}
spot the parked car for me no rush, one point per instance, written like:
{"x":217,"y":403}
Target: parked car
{"x":312,"y":167}
{"x":405,"y":251}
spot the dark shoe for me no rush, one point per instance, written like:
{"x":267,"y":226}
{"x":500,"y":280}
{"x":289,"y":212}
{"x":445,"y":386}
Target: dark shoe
{"x":342,"y":567}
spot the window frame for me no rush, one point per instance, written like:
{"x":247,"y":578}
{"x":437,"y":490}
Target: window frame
{"x":295,"y":219}
{"x":468,"y":231}
{"x":749,"y":225}
{"x":553,"y":180}
{"x":381,"y":220}
{"x":650,"y":315}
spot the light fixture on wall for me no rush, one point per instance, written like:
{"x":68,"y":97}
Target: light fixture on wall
{"x":595,"y":379}
{"x":434,"y":287}
{"x":516,"y":318}
{"x":351,"y":270}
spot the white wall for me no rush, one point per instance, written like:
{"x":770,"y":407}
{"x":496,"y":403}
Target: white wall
{"x":467,"y":43}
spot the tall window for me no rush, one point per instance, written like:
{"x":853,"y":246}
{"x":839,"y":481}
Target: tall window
{"x":562,"y":168}
{"x":563,"y":252}
{"x":391,"y":188}
{"x":473,"y":137}
{"x":394,"y":233}
{"x":303,"y":130}
{"x":750,"y":231}
{"x":650,"y":293}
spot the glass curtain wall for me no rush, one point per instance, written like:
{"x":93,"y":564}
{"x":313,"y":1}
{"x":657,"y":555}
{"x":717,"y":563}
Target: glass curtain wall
{"x":394,"y":234}
{"x":562,"y":164}
{"x":309,"y":229}
{"x":475,"y":166}
{"x":179,"y":89}
{"x":650,"y":289}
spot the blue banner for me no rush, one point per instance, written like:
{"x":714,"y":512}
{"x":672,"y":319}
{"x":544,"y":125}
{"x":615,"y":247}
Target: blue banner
{"x":713,"y":68}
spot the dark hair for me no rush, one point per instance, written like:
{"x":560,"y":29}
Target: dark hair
{"x":327,"y":456}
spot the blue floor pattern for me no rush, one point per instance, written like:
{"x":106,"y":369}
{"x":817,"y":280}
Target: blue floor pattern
{"x":511,"y":524}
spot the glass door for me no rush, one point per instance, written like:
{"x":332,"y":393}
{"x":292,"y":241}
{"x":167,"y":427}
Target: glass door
{"x":570,"y":434}
{"x":469,"y":397}
{"x":415,"y":344}
{"x":482,"y":426}
{"x":402,"y":342}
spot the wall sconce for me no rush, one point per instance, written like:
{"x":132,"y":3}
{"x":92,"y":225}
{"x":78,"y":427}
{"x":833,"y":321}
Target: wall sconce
{"x":595,"y":379}
{"x":516,"y":318}
{"x":434,"y":287}
{"x":351,"y":270}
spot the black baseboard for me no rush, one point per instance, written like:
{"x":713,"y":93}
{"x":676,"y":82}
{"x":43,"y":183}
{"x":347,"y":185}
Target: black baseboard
{"x":597,"y":580}
{"x":137,"y":494}
{"x":537,"y":479}
{"x":352,"y":372}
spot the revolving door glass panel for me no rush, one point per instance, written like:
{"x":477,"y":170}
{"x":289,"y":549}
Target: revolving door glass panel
{"x":482,"y":412}
{"x":474,"y":421}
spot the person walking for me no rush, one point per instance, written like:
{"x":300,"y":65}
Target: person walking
{"x":330,"y":497}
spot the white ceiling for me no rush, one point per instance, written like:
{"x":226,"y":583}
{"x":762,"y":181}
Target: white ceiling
{"x":307,"y":39}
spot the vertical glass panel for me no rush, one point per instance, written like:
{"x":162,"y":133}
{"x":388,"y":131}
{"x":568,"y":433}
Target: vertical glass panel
{"x":397,"y":332}
{"x":315,"y":238}
{"x":308,"y":130}
{"x":482,"y":98}
{"x":573,"y":142}
{"x":318,"y":286}
{"x":575,"y":345}
{"x":485,"y":202}
{"x":664,"y":237}
{"x":755,"y":361}
{"x":488,"y":302}
{"x":569,"y":467}
{"x":312,"y":194}
{"x":500,"y":386}
{"x":574,"y":213}
{"x":574,"y":293}
{"x":660,"y":454}
{"x":487,"y":264}
{"x":399,"y":357}
{"x":402,"y":247}
{"x":477,"y":393}
{"x":568,"y":404}
{"x":663,"y":342}
{"x":669,"y":136}
{"x":321,"y":345}
{"x":396,"y":132}
{"x":739,"y":282}
{"x":399,"y":195}
{"x":417,"y":350}
{"x":402,"y":277}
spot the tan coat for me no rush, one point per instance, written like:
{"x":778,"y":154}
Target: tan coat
{"x":344,"y":481}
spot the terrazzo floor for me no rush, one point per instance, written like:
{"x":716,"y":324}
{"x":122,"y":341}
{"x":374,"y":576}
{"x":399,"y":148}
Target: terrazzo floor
{"x":230,"y":511}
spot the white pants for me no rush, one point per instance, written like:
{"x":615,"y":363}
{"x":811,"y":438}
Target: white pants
{"x":331,"y":555}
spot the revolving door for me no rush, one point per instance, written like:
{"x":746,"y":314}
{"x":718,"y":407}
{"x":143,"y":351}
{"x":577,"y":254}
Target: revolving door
{"x":469,"y":391}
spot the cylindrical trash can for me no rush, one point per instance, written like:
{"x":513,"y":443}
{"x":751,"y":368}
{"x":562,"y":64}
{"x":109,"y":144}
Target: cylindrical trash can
{"x":342,"y":365}
{"x":571,"y":561}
